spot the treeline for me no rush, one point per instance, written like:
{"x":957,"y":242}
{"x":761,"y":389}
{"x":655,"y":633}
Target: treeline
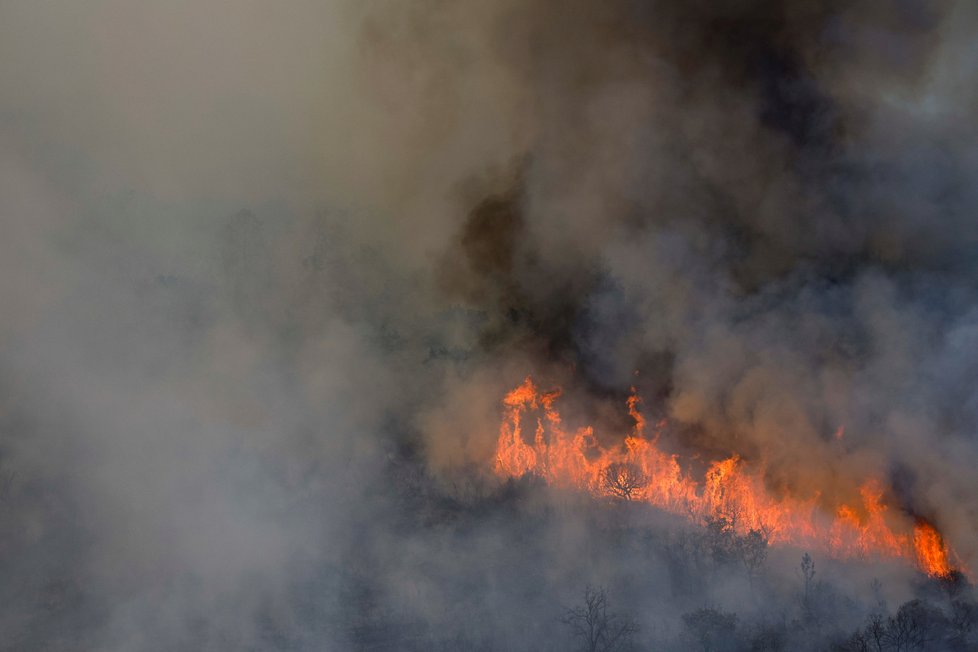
{"x":524,"y":568}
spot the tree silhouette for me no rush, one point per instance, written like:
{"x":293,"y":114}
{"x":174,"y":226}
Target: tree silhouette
{"x":624,"y":479}
{"x":595,"y":628}
{"x":752,"y":550}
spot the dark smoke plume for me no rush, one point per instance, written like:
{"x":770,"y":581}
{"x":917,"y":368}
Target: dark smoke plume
{"x":267,"y":272}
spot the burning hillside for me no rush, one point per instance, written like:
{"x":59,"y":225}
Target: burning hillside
{"x":269,"y":273}
{"x":533,"y":439}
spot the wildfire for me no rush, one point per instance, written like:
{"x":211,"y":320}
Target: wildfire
{"x":931,"y":550}
{"x":639,"y":470}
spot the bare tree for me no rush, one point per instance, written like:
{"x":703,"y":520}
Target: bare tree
{"x":624,"y":479}
{"x":752,"y":550}
{"x":871,"y":638}
{"x":876,"y":631}
{"x":857,"y":642}
{"x":808,"y":575}
{"x":916,"y":626}
{"x":595,"y":628}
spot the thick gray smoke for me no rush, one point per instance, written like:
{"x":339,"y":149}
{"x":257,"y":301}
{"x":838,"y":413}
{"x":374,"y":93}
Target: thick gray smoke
{"x":766,"y":210}
{"x":267,"y":271}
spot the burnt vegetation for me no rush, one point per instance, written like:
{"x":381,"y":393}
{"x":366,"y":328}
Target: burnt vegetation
{"x":624,"y":480}
{"x":639,"y":581}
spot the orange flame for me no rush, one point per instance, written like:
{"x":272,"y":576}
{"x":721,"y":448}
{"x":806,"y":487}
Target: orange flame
{"x":639,"y":470}
{"x":931,"y":551}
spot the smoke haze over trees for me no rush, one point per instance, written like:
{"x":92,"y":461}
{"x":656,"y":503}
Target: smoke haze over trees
{"x":268,"y":271}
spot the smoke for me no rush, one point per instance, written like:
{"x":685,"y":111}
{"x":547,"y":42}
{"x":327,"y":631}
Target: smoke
{"x":762,"y":204}
{"x":267,"y":272}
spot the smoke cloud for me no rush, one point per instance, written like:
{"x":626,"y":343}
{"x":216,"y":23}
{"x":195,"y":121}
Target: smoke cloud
{"x":267,"y":273}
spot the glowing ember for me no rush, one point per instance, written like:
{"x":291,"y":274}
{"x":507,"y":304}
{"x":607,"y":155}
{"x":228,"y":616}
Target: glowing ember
{"x":639,"y":470}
